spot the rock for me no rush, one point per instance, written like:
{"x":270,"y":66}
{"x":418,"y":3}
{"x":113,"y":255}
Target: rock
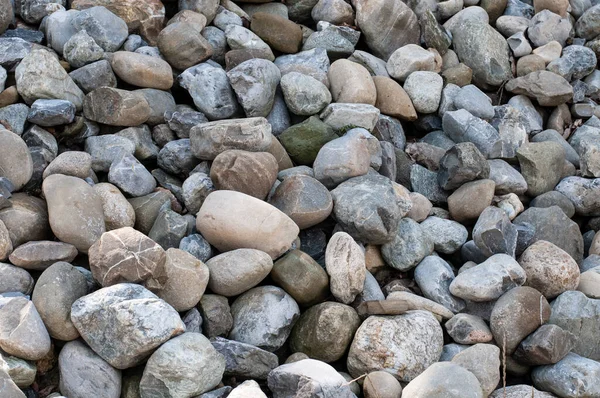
{"x":582,"y":192}
{"x":195,"y":189}
{"x":573,"y":375}
{"x":237,"y":271}
{"x":462,"y":163}
{"x":345,"y":264}
{"x":576,"y":62}
{"x":516,"y":314}
{"x":546,"y":346}
{"x":279,"y":33}
{"x":424,"y":90}
{"x":51,"y":112}
{"x":23,"y":333}
{"x":447,"y":235}
{"x":118,"y":212}
{"x":245,"y":360}
{"x":176,"y":157}
{"x":240,"y":38}
{"x":548,"y":88}
{"x":263,"y":317}
{"x":410,"y":245}
{"x":483,"y":50}
{"x":307,"y":376}
{"x":579,"y":315}
{"x":494,"y":233}
{"x":249,"y":388}
{"x":187,"y":364}
{"x":392,"y":100}
{"x":301,"y":277}
{"x":386,"y":16}
{"x":126,"y":108}
{"x":81,"y":50}
{"x":325,"y":331}
{"x":434,"y":276}
{"x":147,"y":208}
{"x":183,"y":119}
{"x":489,"y":280}
{"x":333,"y":11}
{"x":303,"y":94}
{"x":479,"y":132}
{"x":216,"y":315}
{"x":106,"y":316}
{"x":208,"y":8}
{"x":408,"y":344}
{"x":94,"y":75}
{"x":381,"y":384}
{"x":339,"y":42}
{"x":538,"y":162}
{"x":15,"y":160}
{"x":197,"y":246}
{"x":14,"y":117}
{"x":142,"y":70}
{"x":210,"y":139}
{"x":169,"y":228}
{"x":468,"y":329}
{"x":183,"y":46}
{"x":218,"y":223}
{"x":72,"y":163}
{"x":26,"y":219}
{"x":519,"y":44}
{"x":362,"y":88}
{"x":408,"y":59}
{"x":254,"y":82}
{"x":131,"y":176}
{"x":6,"y":16}
{"x":15,"y":279}
{"x":483,"y":360}
{"x":475,"y":102}
{"x":586,"y":26}
{"x":588,"y":283}
{"x":126,"y":255}
{"x":106,"y":149}
{"x":40,"y":76}
{"x":340,"y":116}
{"x":547,"y":26}
{"x":520,"y":391}
{"x":69,"y":221}
{"x":444,"y":379}
{"x":252,"y":173}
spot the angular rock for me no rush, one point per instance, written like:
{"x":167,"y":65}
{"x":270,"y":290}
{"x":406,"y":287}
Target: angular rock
{"x":546,"y":346}
{"x":549,"y":89}
{"x":574,"y":375}
{"x":183,"y":46}
{"x":131,"y":176}
{"x":494,"y":233}
{"x":245,"y":360}
{"x":462,"y":163}
{"x":410,"y":245}
{"x":254,"y":82}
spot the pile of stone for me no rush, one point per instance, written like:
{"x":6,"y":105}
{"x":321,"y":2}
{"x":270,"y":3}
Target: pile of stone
{"x":308,"y":198}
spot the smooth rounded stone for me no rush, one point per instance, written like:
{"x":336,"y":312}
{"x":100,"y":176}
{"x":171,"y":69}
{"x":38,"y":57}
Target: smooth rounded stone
{"x":556,"y":6}
{"x":252,"y":173}
{"x":489,"y":280}
{"x":484,"y":50}
{"x":345,"y":264}
{"x":408,"y":59}
{"x":421,"y":207}
{"x":224,"y":222}
{"x":587,"y":25}
{"x":142,"y":70}
{"x":494,"y":233}
{"x":339,"y":42}
{"x":71,"y":163}
{"x":450,"y":350}
{"x":468,"y":329}
{"x":15,"y":279}
{"x":301,"y":277}
{"x":40,"y":76}
{"x":314,"y":63}
{"x":424,"y":90}
{"x":249,"y":388}
{"x":380,"y":384}
{"x":210,"y":89}
{"x":237,"y":271}
{"x":39,"y":255}
{"x":240,"y":38}
{"x":474,"y":101}
{"x":408,"y":345}
{"x":333,"y":11}
{"x":255,"y":82}
{"x":131,"y":176}
{"x":216,"y":315}
{"x":51,"y":112}
{"x":516,"y":314}
{"x":116,"y":107}
{"x":16,"y":163}
{"x":94,"y":75}
{"x":225,"y":17}
{"x":325,"y":331}
{"x":433,"y":276}
{"x":126,"y":255}
{"x":483,"y":360}
{"x":183,"y":46}
{"x":187,"y":365}
{"x":461,"y":126}
{"x":78,"y":364}
{"x":395,"y":17}
{"x":547,"y":345}
{"x":304,"y":199}
{"x":589,"y":283}
{"x":26,"y":219}
{"x":6,"y":16}
{"x":207,"y":8}
{"x":22,"y":331}
{"x":546,"y":26}
{"x":538,"y":161}
{"x":583,"y":192}
{"x":278,"y":32}
{"x":310,"y":377}
{"x":358,"y":197}
{"x":81,"y":49}
{"x":70,"y":222}
{"x":579,"y":315}
{"x":410,"y":245}
{"x":303,"y":94}
{"x":245,"y":360}
{"x":304,"y":140}
{"x":296,"y":357}
{"x":549,"y":269}
{"x":392,"y":100}
{"x":147,"y":208}
{"x":572,"y":376}
{"x":351,"y":83}
{"x":447,"y":235}
{"x":263,"y":317}
{"x":210,"y":139}
{"x":109,"y":318}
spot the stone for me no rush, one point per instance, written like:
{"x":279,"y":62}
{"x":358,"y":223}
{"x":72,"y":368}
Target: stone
{"x":474,"y":101}
{"x":254,"y":82}
{"x":434,"y":276}
{"x":237,"y":271}
{"x":185,"y":365}
{"x":252,"y":173}
{"x":538,"y":162}
{"x":519,"y":44}
{"x":245,"y":360}
{"x":307,"y":376}
{"x":142,"y":70}
{"x":517,"y":314}
{"x":345,"y":265}
{"x":249,"y":388}
{"x":15,"y":279}
{"x":494,"y":233}
{"x":424,"y":90}
{"x":583,"y":192}
{"x":6,"y":16}
{"x":408,"y":344}
{"x":520,"y":391}
{"x":390,"y":16}
{"x":51,"y":112}
{"x":16,"y":164}
{"x":81,"y":50}
{"x":489,"y":280}
{"x":220,"y":222}
{"x":70,"y":221}
{"x":301,"y":277}
{"x":116,"y":107}
{"x":410,"y":245}
{"x":548,"y":88}
{"x":586,"y":26}
{"x":106,"y":149}
{"x":546,"y":346}
{"x":195,"y":189}
{"x":147,"y":208}
{"x":468,"y":329}
{"x":240,"y":38}
{"x":169,"y":228}
{"x":77,"y":364}
{"x":588,"y":284}
{"x":483,"y":360}
{"x":304,"y":140}
{"x":340,"y":116}
{"x":573,"y":375}
{"x":361,"y":90}
{"x":145,"y":149}
{"x":210,"y":139}
{"x":325,"y":331}
{"x":462,"y":126}
{"x":72,"y":163}
{"x":40,"y":76}
{"x":183,"y":46}
{"x":576,"y":62}
{"x":106,"y":316}
{"x":278,"y":32}
{"x":263,"y":317}
{"x":392,"y":100}
{"x":208,"y":8}
{"x":462,"y":163}
{"x":94,"y":75}
{"x":381,"y":384}
{"x":131,"y":176}
{"x":447,"y":235}
{"x":313,"y":63}
{"x":26,"y":219}
{"x":507,"y":179}
{"x":216,"y":315}
{"x":197,"y":246}
{"x":547,"y":26}
{"x":23,"y":333}
{"x":14,"y":117}
{"x":303,"y":94}
{"x":408,"y":59}
{"x":176,"y":157}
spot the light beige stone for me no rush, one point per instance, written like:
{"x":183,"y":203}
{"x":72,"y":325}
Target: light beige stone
{"x":392,"y":100}
{"x":118,"y":212}
{"x":232,"y":273}
{"x":15,"y":160}
{"x":351,"y":83}
{"x":345,"y":264}
{"x":142,"y":70}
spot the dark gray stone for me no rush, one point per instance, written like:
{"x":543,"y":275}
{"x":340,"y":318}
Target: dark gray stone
{"x":131,"y":176}
{"x":554,"y":198}
{"x":168,"y":229}
{"x":434,"y":275}
{"x":51,"y":112}
{"x":94,"y":75}
{"x":462,"y":163}
{"x":571,"y":377}
{"x":461,"y":126}
{"x":14,"y":117}
{"x":197,"y":246}
{"x":245,"y":360}
{"x":183,"y":119}
{"x":546,"y":346}
{"x":176,"y":157}
{"x":410,"y":245}
{"x":494,"y":233}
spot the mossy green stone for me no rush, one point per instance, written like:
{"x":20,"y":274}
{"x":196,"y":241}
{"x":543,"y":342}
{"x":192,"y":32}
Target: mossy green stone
{"x":304,"y":140}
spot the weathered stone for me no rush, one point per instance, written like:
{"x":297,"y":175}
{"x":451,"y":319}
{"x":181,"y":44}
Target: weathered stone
{"x":94,"y":75}
{"x":237,"y":271}
{"x":410,"y":245}
{"x":549,"y":89}
{"x":81,"y":49}
{"x":303,"y":94}
{"x":15,"y":160}
{"x":539,"y":163}
{"x":434,"y":276}
{"x":494,"y":233}
{"x":116,"y":107}
{"x":131,"y":176}
{"x":462,"y":163}
{"x":573,"y":375}
{"x":216,"y":315}
{"x":26,"y":219}
{"x":142,"y":70}
{"x":183,"y":46}
{"x":22,"y":331}
{"x":15,"y":279}
{"x":547,"y":345}
{"x":280,"y":33}
{"x":468,"y":329}
{"x":345,"y":264}
{"x":245,"y":360}
{"x":461,"y":126}
{"x":583,"y":192}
